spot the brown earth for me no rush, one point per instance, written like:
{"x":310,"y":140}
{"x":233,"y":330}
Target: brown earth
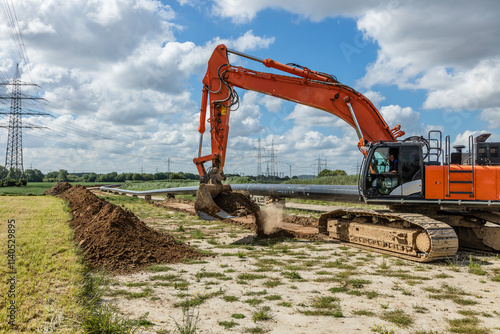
{"x":58,"y":188}
{"x":236,"y":203}
{"x":300,"y":220}
{"x":240,"y":205}
{"x":115,"y":239}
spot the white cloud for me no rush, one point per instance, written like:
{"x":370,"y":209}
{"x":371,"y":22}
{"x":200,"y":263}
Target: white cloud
{"x":305,"y":116}
{"x":245,"y":121}
{"x":375,"y":98}
{"x":117,"y":82}
{"x":492,"y":117}
{"x":272,"y":104}
{"x":475,"y":88}
{"x":406,"y":117}
{"x":463,"y":138}
{"x":447,"y":48}
{"x":315,"y":10}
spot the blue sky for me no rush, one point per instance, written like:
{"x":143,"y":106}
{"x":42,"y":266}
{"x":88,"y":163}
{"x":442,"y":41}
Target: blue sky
{"x":123,"y":77}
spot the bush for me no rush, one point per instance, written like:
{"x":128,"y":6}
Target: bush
{"x":9,"y":182}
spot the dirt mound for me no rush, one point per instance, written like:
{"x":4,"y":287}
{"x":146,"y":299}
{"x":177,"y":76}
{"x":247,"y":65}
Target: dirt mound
{"x":240,"y":204}
{"x":58,"y":188}
{"x":300,"y":220}
{"x":116,"y":239}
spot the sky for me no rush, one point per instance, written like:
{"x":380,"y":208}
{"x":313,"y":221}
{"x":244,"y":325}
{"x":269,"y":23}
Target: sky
{"x":122,"y":78}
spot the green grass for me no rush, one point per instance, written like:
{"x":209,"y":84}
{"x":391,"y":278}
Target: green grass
{"x":452,"y":293}
{"x":262,"y":314}
{"x":36,"y":188}
{"x":291,"y":275}
{"x":324,"y":306}
{"x":363,"y":313}
{"x":254,"y":301}
{"x":476,"y":267}
{"x":197,"y":300}
{"x":467,"y":325}
{"x":150,"y":185}
{"x":272,"y":283}
{"x":341,"y":179}
{"x":273,"y":297}
{"x":398,"y":317}
{"x":256,"y":330}
{"x":249,"y":276}
{"x":155,"y":268}
{"x":230,"y":299}
{"x":228,"y":324}
{"x":49,"y":268}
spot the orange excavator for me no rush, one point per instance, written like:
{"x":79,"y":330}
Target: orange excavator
{"x":436,"y":199}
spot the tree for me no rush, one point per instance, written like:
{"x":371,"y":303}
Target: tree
{"x":50,"y":177}
{"x":327,"y":172}
{"x":176,"y":176}
{"x":62,"y":176}
{"x":3,"y":172}
{"x":15,"y":174}
{"x":137,"y":177}
{"x":110,"y":177}
{"x":160,"y":176}
{"x":33,"y":175}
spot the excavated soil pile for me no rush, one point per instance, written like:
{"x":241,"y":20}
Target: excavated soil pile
{"x":58,"y":188}
{"x":240,"y":204}
{"x":300,"y":220}
{"x":116,"y":239}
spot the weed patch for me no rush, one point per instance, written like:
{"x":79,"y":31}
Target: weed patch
{"x":398,"y":317}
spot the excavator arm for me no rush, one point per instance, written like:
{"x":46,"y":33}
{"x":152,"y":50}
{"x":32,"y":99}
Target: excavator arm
{"x":310,"y":88}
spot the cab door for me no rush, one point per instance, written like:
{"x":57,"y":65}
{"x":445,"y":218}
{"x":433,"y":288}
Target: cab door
{"x":393,"y":171}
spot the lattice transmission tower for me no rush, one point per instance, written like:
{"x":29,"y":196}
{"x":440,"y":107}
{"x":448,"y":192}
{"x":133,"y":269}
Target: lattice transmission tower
{"x":14,"y":152}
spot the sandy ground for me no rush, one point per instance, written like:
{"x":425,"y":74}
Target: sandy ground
{"x":308,"y":287}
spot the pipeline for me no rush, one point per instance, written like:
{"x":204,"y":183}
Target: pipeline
{"x":344,"y":193}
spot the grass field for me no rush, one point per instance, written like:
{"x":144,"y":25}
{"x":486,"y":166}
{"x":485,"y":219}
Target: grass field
{"x":37,"y":188}
{"x":164,"y":184}
{"x":49,"y":269}
{"x":251,"y":285}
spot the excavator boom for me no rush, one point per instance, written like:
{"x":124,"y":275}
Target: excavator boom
{"x":310,"y":88}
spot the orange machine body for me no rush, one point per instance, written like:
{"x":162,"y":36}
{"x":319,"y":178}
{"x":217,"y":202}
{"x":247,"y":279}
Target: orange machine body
{"x":462,"y":182}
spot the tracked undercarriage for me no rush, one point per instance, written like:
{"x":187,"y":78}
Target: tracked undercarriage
{"x":413,"y":236}
{"x":408,"y":235}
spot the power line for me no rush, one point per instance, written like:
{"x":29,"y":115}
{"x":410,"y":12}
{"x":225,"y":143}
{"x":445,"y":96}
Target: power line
{"x":10,"y":17}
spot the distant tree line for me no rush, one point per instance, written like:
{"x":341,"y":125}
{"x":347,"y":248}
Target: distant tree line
{"x":14,"y":177}
{"x":328,"y":172}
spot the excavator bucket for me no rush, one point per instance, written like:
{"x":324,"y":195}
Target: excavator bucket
{"x":205,"y":205}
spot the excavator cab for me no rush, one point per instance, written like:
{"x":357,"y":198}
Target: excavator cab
{"x":393,"y":169}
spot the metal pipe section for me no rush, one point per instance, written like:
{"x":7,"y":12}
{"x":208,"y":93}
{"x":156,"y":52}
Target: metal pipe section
{"x":174,"y":191}
{"x":244,"y":55}
{"x":358,"y":129}
{"x":341,"y":193}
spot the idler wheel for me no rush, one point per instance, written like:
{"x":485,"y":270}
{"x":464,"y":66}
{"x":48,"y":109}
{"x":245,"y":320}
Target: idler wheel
{"x":423,"y":243}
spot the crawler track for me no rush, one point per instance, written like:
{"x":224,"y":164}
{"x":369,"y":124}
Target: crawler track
{"x":407,"y":235}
